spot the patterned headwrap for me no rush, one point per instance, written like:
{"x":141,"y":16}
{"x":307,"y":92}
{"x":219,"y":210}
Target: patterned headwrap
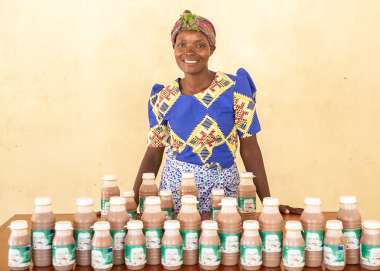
{"x":192,"y":22}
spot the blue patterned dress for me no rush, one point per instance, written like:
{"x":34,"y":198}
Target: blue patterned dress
{"x":201,"y":132}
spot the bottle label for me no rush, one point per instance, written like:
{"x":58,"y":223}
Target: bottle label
{"x":190,"y":239}
{"x":63,"y":255}
{"x":352,"y":238}
{"x":370,"y":255}
{"x":141,"y":204}
{"x":101,"y":257}
{"x":214,"y":213}
{"x":19,"y":256}
{"x":271,"y":240}
{"x":42,"y":239}
{"x":118,"y":239}
{"x":333,"y":255}
{"x":169,"y":213}
{"x":132,"y":214}
{"x":135,"y":255}
{"x":171,"y":255}
{"x":250,"y":255}
{"x":247,"y":204}
{"x":104,"y":206}
{"x":83,"y":239}
{"x":229,"y":242}
{"x":313,"y":240}
{"x":153,"y":237}
{"x":209,"y":255}
{"x":293,"y":256}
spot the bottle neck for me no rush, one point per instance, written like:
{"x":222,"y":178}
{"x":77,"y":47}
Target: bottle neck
{"x":188,"y":182}
{"x":42,"y":209}
{"x":271,"y":209}
{"x":251,"y":233}
{"x":22,"y":232}
{"x":293,"y":234}
{"x":372,"y":231}
{"x":152,"y":208}
{"x":348,"y":206}
{"x":117,"y":208}
{"x":312,"y":209}
{"x":228,"y":209}
{"x":102,"y":233}
{"x":109,"y":184}
{"x":246,"y":181}
{"x":64,"y":233}
{"x":209,"y":233}
{"x":135,"y":232}
{"x":171,"y":232}
{"x":333,"y":233}
{"x":189,"y":208}
{"x":84,"y":209}
{"x":148,"y":182}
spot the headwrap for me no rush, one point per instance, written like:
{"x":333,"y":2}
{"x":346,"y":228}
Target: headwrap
{"x":192,"y":22}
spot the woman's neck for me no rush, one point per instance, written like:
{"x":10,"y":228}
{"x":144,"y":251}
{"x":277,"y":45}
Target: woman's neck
{"x":194,"y":83}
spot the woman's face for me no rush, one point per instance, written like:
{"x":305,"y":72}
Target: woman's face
{"x":192,"y":51}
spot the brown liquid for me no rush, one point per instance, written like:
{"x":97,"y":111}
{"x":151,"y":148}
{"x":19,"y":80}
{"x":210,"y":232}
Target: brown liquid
{"x":188,"y":187}
{"x":118,"y":221}
{"x":61,"y":239}
{"x":101,"y":241}
{"x":42,"y":221}
{"x":210,"y":238}
{"x":147,"y":188}
{"x":172,"y":238}
{"x":106,"y":193}
{"x":19,"y":240}
{"x":83,"y":221}
{"x":247,"y":199}
{"x":131,"y":207}
{"x":167,"y":206}
{"x":215,"y":204}
{"x":372,"y":238}
{"x":136,"y":237}
{"x":251,"y":238}
{"x":294,"y":239}
{"x":333,"y":240}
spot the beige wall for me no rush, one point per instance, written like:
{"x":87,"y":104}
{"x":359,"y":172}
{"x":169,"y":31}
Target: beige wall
{"x":75,"y":78}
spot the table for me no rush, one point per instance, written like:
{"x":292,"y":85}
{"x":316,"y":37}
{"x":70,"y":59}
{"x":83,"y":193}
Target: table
{"x":4,"y":234}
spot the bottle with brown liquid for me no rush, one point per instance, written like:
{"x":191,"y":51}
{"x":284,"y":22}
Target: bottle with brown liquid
{"x":313,"y":232}
{"x":209,"y":246}
{"x":19,"y":246}
{"x":134,"y":248}
{"x":370,"y":245}
{"x":293,"y":255}
{"x":167,"y":203}
{"x":271,"y":223}
{"x":333,"y":250}
{"x":84,"y":218}
{"x":188,"y":186}
{"x":118,"y":217}
{"x":130,"y":204}
{"x":229,"y":223}
{"x":250,"y":246}
{"x":349,"y":215}
{"x":63,"y":246}
{"x":101,"y":254}
{"x":190,"y":221}
{"x":247,"y":196}
{"x":109,"y":189}
{"x":148,"y":188}
{"x":171,"y":249}
{"x":42,"y":231}
{"x":217,"y":194}
{"x":153,"y":219}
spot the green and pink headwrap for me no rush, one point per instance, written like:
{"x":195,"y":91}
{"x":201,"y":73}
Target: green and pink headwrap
{"x":191,"y":22}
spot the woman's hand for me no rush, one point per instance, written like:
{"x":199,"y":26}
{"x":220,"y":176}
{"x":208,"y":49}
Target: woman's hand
{"x":286,"y":210}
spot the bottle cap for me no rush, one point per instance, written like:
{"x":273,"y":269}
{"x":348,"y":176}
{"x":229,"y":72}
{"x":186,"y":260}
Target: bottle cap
{"x":188,"y":175}
{"x":63,"y":225}
{"x":117,"y":201}
{"x":148,"y":175}
{"x":334,"y":224}
{"x":101,"y":226}
{"x":371,"y":224}
{"x":271,"y":201}
{"x":165,"y":193}
{"x":209,"y":225}
{"x":42,"y":201}
{"x":84,"y":201}
{"x":152,"y":200}
{"x":217,"y":192}
{"x":293,"y":225}
{"x":251,"y":225}
{"x":128,"y":194}
{"x":110,"y":178}
{"x":189,"y":199}
{"x":347,"y":200}
{"x":312,"y":201}
{"x":246,"y":175}
{"x":134,"y":225}
{"x":171,"y":225}
{"x":18,"y":225}
{"x":229,"y":201}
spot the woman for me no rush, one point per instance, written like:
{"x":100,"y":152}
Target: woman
{"x":200,"y":118}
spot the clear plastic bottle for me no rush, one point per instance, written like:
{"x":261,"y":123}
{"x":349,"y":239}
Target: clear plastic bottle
{"x":171,"y":249}
{"x":293,"y":255}
{"x":130,"y":204}
{"x":19,"y":246}
{"x":247,"y":196}
{"x":63,"y":246}
{"x":135,"y":249}
{"x":251,"y":246}
{"x":333,"y":250}
{"x":209,"y":246}
{"x":109,"y":189}
{"x":148,"y":188}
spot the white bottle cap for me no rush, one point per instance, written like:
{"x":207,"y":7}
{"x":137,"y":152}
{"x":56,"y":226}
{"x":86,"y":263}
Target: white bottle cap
{"x":110,"y":178}
{"x":271,"y":201}
{"x":128,"y":194}
{"x":209,"y":225}
{"x":251,"y":225}
{"x":347,"y":200}
{"x":165,"y":193}
{"x":42,"y":201}
{"x":84,"y":201}
{"x":148,"y":175}
{"x":312,"y":201}
{"x":217,"y":192}
{"x":117,"y":200}
{"x":334,"y":224}
{"x":152,"y":200}
{"x":188,"y":175}
{"x":371,"y":224}
{"x":171,"y":225}
{"x":18,"y":225}
{"x":293,"y":225}
{"x":134,"y":225}
{"x":229,"y":201}
{"x":246,"y":175}
{"x":63,"y":225}
{"x":101,"y":226}
{"x":189,"y":199}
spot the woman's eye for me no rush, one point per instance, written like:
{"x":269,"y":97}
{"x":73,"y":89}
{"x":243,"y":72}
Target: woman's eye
{"x":201,"y":45}
{"x":181,"y":45}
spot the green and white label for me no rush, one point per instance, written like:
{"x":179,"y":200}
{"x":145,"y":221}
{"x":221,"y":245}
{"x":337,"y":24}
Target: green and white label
{"x":370,"y":255}
{"x":101,"y":258}
{"x":171,"y":255}
{"x":293,"y":256}
{"x":83,"y":239}
{"x":352,"y":238}
{"x":135,"y":255}
{"x":104,"y":206}
{"x":271,"y":240}
{"x":250,"y":255}
{"x":247,"y":204}
{"x":141,"y":204}
{"x":132,"y":214}
{"x":169,"y":213}
{"x":313,"y":240}
{"x":63,"y":255}
{"x":153,"y":237}
{"x":214,"y":213}
{"x":209,"y":255}
{"x":190,"y":239}
{"x":229,"y":242}
{"x":333,"y":255}
{"x":19,"y":256}
{"x":118,"y":239}
{"x":42,"y":239}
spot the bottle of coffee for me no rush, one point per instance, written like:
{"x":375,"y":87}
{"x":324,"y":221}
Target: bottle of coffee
{"x":190,"y":221}
{"x":250,"y":246}
{"x":101,"y":254}
{"x":118,"y":217}
{"x":153,"y":219}
{"x":370,"y":245}
{"x":130,"y":204}
{"x":167,"y":203}
{"x":349,"y":215}
{"x":109,"y":189}
{"x":333,"y":250}
{"x":293,"y":256}
{"x":188,"y":186}
{"x":171,"y":249}
{"x":313,"y":232}
{"x":42,"y":231}
{"x":229,"y":223}
{"x":247,"y":196}
{"x":271,"y":223}
{"x":217,"y":194}
{"x":148,"y":188}
{"x":134,"y":248}
{"x":84,"y":218}
{"x":19,"y":247}
{"x":209,"y":246}
{"x":63,"y":246}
